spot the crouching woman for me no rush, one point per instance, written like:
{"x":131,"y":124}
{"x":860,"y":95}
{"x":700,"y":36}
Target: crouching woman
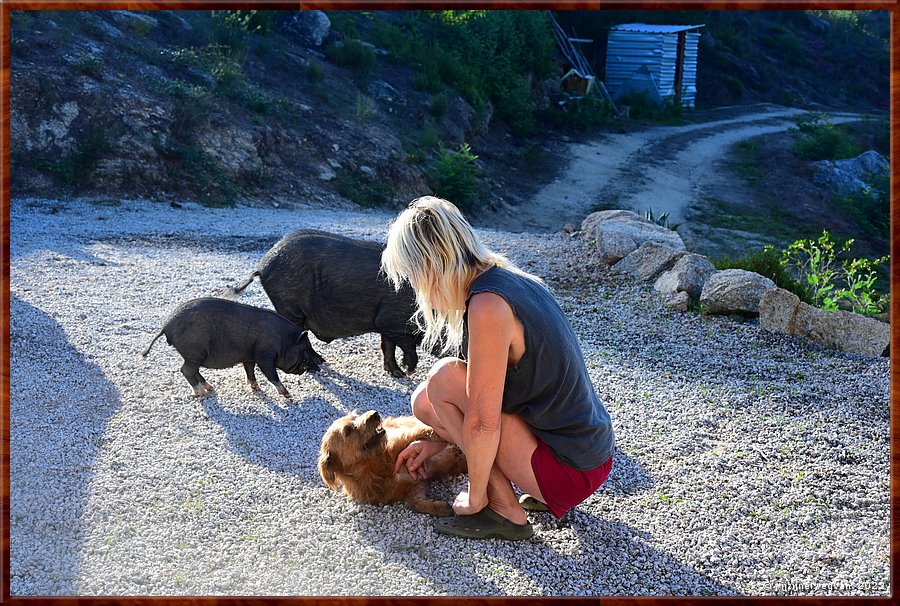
{"x":521,"y":405}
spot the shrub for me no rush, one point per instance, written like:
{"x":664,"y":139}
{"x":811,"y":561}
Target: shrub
{"x":832,"y":280}
{"x":454,"y":176}
{"x":439,"y":106}
{"x":579,"y":113}
{"x":429,"y":137}
{"x":229,"y":34}
{"x":364,"y":109}
{"x":77,"y":166}
{"x":767,"y":262}
{"x":364,"y":189}
{"x":314,"y":71}
{"x":353,"y":54}
{"x":428,"y":80}
{"x":734,"y":86}
{"x":820,"y":139}
{"x":870,"y":210}
{"x":89,"y":65}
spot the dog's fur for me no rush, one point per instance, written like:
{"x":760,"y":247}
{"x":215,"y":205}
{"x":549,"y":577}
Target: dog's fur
{"x":359,"y":452}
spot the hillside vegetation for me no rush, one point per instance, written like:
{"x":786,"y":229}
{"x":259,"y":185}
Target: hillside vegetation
{"x":221,"y":106}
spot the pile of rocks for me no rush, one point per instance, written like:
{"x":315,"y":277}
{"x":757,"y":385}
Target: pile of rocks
{"x":649,"y":252}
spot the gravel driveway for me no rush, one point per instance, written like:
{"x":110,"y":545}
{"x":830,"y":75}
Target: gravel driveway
{"x":747,"y":462}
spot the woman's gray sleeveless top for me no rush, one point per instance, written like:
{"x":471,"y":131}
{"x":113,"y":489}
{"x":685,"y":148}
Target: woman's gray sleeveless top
{"x":550,"y":388}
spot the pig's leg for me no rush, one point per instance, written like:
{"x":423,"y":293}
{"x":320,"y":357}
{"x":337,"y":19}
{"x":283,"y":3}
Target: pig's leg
{"x":389,"y":356}
{"x":191,"y":372}
{"x":267,"y":366}
{"x":250,"y":367}
{"x":410,"y":358}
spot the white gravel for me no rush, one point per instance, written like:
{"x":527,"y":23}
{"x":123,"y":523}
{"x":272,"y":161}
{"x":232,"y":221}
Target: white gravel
{"x":747,"y":462}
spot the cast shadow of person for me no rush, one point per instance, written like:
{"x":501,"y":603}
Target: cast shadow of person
{"x":584,"y":554}
{"x":58,"y":421}
{"x":284,"y":437}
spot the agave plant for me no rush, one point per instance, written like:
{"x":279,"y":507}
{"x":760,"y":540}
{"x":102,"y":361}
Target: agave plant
{"x":662,"y":220}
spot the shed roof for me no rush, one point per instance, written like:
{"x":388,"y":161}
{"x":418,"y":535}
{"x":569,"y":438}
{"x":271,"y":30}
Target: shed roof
{"x":645,"y":28}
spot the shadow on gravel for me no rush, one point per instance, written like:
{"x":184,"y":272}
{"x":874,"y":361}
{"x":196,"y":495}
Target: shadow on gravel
{"x":362,"y":396}
{"x":58,"y":419}
{"x":627,"y":476}
{"x":284,"y":441}
{"x":583,"y":555}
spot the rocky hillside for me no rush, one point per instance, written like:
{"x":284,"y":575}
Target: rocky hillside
{"x":280,"y":106}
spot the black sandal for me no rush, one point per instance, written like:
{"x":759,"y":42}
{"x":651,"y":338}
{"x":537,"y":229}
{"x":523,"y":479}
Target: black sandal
{"x":486,"y":524}
{"x":529,"y":503}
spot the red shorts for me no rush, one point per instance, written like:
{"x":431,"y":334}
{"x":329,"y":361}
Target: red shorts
{"x":562,"y":486}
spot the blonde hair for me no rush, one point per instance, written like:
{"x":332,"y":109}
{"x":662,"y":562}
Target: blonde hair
{"x":433,"y":247}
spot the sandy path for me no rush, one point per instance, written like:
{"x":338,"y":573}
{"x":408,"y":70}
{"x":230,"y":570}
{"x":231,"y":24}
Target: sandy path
{"x":659,"y":168}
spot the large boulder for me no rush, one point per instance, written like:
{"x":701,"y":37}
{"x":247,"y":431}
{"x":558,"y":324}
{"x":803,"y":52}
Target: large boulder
{"x":734,"y":291}
{"x":854,"y":176}
{"x":308,"y":27}
{"x":648,"y":261}
{"x":782,"y":311}
{"x":689,"y":274}
{"x":619,"y":232}
{"x":778,"y":311}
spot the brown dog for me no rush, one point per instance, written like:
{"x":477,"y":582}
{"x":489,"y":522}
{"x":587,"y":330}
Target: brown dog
{"x":359,"y":452}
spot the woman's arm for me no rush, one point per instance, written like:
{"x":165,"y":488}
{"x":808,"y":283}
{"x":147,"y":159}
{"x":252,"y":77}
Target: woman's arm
{"x":491,"y":324}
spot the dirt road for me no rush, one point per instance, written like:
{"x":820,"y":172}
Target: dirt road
{"x":663,"y":168}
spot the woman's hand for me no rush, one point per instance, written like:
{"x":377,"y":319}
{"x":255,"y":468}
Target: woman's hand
{"x":415,"y":455}
{"x":466,"y":505}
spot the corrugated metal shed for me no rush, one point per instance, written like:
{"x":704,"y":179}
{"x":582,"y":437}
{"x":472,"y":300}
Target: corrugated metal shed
{"x":641,"y":56}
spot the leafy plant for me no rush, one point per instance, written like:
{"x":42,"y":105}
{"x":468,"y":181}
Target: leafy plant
{"x":820,"y":139}
{"x":832,"y":280}
{"x":454,"y":175}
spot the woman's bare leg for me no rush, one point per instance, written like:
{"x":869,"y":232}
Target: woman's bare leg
{"x":441,"y":403}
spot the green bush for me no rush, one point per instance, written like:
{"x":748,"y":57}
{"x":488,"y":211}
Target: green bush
{"x":734,"y":86}
{"x":817,"y":138}
{"x":314,"y":71}
{"x":454,"y":176}
{"x":428,"y":137}
{"x":439,"y":106}
{"x":89,"y":65}
{"x":77,"y":166}
{"x":353,"y":54}
{"x":485,"y":55}
{"x":578,"y":113}
{"x":364,"y":189}
{"x":833,"y":280}
{"x":428,"y":80}
{"x":766,"y":262}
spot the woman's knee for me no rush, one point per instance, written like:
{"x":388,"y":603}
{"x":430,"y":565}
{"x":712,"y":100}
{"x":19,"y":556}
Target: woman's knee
{"x":421,"y":405}
{"x":446,"y":381}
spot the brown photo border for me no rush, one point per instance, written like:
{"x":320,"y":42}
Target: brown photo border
{"x":9,"y":5}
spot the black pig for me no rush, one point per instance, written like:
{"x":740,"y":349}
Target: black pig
{"x":333,"y":286}
{"x":217,"y":333}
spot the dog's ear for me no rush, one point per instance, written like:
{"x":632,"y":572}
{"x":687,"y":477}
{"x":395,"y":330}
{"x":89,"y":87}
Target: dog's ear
{"x":328,"y":466}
